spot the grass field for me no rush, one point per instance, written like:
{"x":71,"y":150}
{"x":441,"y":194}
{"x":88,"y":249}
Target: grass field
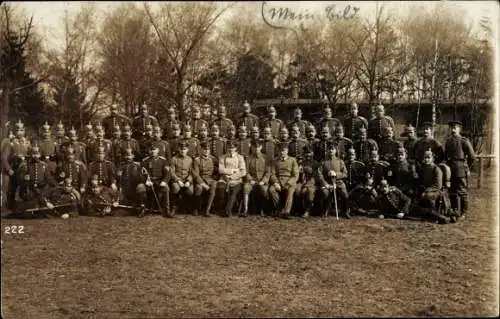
{"x":126,"y":267}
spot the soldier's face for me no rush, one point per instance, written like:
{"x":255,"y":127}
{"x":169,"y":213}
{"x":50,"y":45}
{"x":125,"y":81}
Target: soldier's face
{"x":284,"y":152}
{"x":222,"y":113}
{"x":295,"y":133}
{"x":206,"y":152}
{"x":369,"y":181}
{"x":100,"y":134}
{"x":73,"y":137}
{"x":215,"y":132}
{"x":246,"y":108}
{"x":114,"y":111}
{"x":272,"y":114}
{"x":188,"y":133}
{"x":339,"y":132}
{"x":427,"y":131}
{"x":309,"y":156}
{"x":117,"y":134}
{"x":36,"y":155}
{"x":384,"y":188}
{"x":176,"y":133}
{"x":127,"y":134}
{"x":411,"y":133}
{"x":401,"y":157}
{"x":232,"y":150}
{"x":284,"y":135}
{"x":362,"y":136}
{"x":129,"y":157}
{"x":379,"y":112}
{"x":455,"y":130}
{"x":144,"y":111}
{"x":203,"y":133}
{"x":60,"y":133}
{"x":354,"y":110}
{"x":158,"y":135}
{"x":428,"y":159}
{"x":351,"y":155}
{"x":243,"y":134}
{"x":267,"y":135}
{"x":297,"y":115}
{"x":71,"y":157}
{"x":154,"y":152}
{"x":20,"y":133}
{"x":184,"y":151}
{"x":325,"y":134}
{"x":258,"y":148}
{"x":333,"y":152}
{"x":255,"y":134}
{"x":197,"y":114}
{"x":389,"y":133}
{"x":328,"y":113}
{"x":67,"y":182}
{"x":375,"y":156}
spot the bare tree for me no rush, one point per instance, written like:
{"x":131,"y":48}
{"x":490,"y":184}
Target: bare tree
{"x":182,"y":30}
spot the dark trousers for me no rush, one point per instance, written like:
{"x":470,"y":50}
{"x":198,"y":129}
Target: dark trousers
{"x":459,"y":194}
{"x":283,"y":199}
{"x":327,"y":199}
{"x":229,"y":195}
{"x":205,"y":198}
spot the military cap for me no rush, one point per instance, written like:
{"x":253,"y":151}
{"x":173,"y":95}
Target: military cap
{"x":354,"y":104}
{"x":325,"y":129}
{"x":327,"y":109}
{"x":309,"y":128}
{"x":383,"y":182}
{"x":205,"y":145}
{"x":379,"y":107}
{"x":128,"y":151}
{"x":297,"y":109}
{"x":367,"y":175}
{"x":339,"y":128}
{"x":242,"y":128}
{"x":362,"y":129}
{"x":283,"y":145}
{"x":99,"y":127}
{"x":149,"y":127}
{"x":284,"y":130}
{"x":46,"y":127}
{"x":426,"y":125}
{"x":183,"y":145}
{"x":256,"y":143}
{"x":401,"y":150}
{"x":152,"y":146}
{"x":295,"y":126}
{"x":332,"y":146}
{"x":117,"y":128}
{"x":19,"y":125}
{"x":388,"y":129}
{"x":216,"y":88}
{"x":429,"y":150}
{"x":410,"y":128}
{"x":95,"y":180}
{"x":454,"y":123}
{"x":204,"y":126}
{"x":34,"y":149}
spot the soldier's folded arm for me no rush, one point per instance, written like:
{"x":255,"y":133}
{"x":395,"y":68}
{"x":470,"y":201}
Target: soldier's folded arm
{"x":292,"y":181}
{"x":242,"y":170}
{"x":321,"y":177}
{"x":174,"y":176}
{"x":267,"y":174}
{"x":196,"y":171}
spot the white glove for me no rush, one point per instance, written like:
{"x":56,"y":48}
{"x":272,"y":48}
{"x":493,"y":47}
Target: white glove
{"x":186,"y":184}
{"x":332,"y":173}
{"x":163,"y":184}
{"x":113,"y":186}
{"x":50,"y":205}
{"x":252,"y":182}
{"x":107,"y":209}
{"x":149,"y":183}
{"x":115,"y":204}
{"x":389,"y":173}
{"x":261,"y":183}
{"x":277,"y":187}
{"x":11,"y":172}
{"x":181,"y":184}
{"x":205,"y":186}
{"x":82,"y":190}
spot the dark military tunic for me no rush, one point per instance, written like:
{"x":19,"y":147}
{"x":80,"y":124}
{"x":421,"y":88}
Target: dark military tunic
{"x":243,"y":147}
{"x":322,"y":149}
{"x":269,"y":149}
{"x":388,"y":149}
{"x":352,"y":126}
{"x":193,"y":146}
{"x":174,"y":145}
{"x":409,"y":145}
{"x":302,"y":124}
{"x":249,"y":120}
{"x":196,"y":125}
{"x":218,"y":146}
{"x":129,"y":177}
{"x":34,"y":179}
{"x":423,"y":145}
{"x":224,"y":124}
{"x":80,"y":151}
{"x":342,"y":144}
{"x":377,"y":126}
{"x":332,"y":124}
{"x":104,"y":170}
{"x":93,"y":149}
{"x":394,"y":202}
{"x":76,"y":170}
{"x":402,"y":176}
{"x":364,"y":149}
{"x":275,"y":125}
{"x":362,"y":199}
{"x":355,"y":170}
{"x":132,"y":144}
{"x":112,"y":121}
{"x":205,"y":169}
{"x":140,"y":122}
{"x":296,"y":148}
{"x":378,"y":169}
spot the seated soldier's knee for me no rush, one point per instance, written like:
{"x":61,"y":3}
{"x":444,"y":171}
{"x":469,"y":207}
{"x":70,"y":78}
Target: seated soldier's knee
{"x":189,"y":191}
{"x":263,"y":190}
{"x":198,"y":190}
{"x":175,"y":188}
{"x":310,"y":194}
{"x":324,"y":192}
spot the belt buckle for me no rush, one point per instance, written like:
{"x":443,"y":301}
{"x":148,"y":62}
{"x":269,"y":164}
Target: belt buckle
{"x":35,"y":185}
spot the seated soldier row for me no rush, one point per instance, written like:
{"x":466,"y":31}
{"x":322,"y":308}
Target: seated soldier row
{"x":273,"y":187}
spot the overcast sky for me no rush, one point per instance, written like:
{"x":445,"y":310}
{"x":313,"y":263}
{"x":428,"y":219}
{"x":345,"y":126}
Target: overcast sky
{"x":47,"y":15}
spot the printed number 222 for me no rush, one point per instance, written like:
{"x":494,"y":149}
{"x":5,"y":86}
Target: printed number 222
{"x":14,"y":229}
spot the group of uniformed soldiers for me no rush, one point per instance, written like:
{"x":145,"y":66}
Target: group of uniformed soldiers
{"x":245,"y":165}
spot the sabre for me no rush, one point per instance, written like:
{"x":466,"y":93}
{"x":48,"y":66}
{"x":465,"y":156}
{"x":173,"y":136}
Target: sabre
{"x":335,"y":198}
{"x":148,"y":178}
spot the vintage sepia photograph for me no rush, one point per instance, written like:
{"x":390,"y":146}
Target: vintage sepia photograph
{"x":257,"y":159}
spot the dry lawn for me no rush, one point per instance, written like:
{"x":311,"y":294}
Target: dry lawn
{"x":126,"y":267}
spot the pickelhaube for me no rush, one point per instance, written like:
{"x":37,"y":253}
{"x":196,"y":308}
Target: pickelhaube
{"x":34,"y":150}
{"x":156,"y":129}
{"x":187,"y":127}
{"x":19,"y":125}
{"x":89,"y":126}
{"x":255,"y":129}
{"x":215,"y":127}
{"x":117,"y":128}
{"x":127,"y":127}
{"x":266,"y":129}
{"x":60,"y":126}
{"x":149,"y":127}
{"x":46,"y":127}
{"x":242,"y":128}
{"x":128,"y":152}
{"x":72,"y":131}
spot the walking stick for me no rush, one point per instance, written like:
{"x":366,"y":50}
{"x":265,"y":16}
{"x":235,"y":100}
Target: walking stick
{"x":335,"y":198}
